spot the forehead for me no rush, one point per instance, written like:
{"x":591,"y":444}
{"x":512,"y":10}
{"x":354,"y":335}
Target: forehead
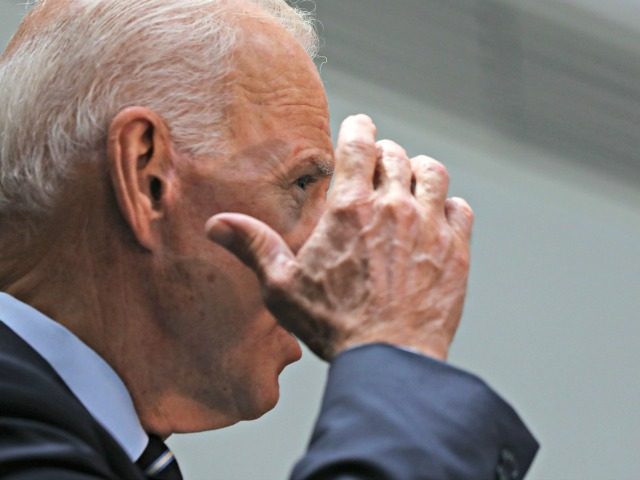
{"x":265,"y":49}
{"x":276,"y":90}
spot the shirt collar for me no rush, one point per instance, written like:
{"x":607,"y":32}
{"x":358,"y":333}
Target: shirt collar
{"x":88,"y":376}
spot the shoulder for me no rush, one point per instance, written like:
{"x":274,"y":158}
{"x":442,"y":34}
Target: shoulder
{"x":42,"y":422}
{"x":30,"y":388}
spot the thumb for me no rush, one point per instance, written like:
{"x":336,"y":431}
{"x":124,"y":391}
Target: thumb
{"x":254,"y":242}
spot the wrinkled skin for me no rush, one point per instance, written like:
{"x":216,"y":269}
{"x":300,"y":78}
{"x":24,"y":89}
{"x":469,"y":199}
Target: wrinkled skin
{"x":388,"y":261}
{"x":123,"y":262}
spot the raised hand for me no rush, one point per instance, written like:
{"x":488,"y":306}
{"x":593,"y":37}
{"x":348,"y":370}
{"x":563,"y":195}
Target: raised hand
{"x":388,"y":261}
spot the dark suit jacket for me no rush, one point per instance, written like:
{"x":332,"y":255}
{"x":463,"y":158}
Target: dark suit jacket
{"x":387,"y":414}
{"x":45,"y":432}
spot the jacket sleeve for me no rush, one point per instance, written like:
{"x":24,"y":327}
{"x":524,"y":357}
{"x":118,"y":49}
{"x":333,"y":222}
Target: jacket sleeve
{"x":393,"y":414}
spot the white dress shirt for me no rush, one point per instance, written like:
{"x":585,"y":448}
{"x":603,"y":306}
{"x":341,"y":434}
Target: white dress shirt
{"x":88,"y":376}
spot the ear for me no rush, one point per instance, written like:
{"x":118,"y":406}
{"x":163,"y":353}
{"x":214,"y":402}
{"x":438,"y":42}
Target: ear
{"x":141,"y":170}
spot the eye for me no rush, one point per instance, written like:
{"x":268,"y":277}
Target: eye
{"x":304,"y":181}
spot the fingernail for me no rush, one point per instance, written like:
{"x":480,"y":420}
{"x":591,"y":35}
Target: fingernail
{"x":220,"y":232}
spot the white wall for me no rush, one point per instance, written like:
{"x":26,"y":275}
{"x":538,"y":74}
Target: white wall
{"x":552,"y":315}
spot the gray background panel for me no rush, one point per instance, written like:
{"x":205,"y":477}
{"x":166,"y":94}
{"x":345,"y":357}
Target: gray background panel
{"x":533,"y":106}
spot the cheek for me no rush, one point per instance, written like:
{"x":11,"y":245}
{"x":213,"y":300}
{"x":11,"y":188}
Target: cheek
{"x":205,"y":299}
{"x":305,"y":223}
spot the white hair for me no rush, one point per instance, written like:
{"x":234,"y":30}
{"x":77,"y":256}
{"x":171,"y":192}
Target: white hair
{"x":61,"y":86}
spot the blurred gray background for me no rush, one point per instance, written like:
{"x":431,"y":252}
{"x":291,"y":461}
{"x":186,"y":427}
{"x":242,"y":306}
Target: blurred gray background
{"x":535,"y":108}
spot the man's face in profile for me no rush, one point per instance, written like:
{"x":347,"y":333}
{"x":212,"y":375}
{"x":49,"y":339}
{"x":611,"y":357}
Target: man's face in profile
{"x":277,"y":170}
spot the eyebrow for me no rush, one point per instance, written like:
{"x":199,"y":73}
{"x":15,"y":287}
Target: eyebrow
{"x":284,"y":160}
{"x":321,"y":164}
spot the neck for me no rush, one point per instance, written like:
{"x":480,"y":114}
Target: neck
{"x":65,"y":266}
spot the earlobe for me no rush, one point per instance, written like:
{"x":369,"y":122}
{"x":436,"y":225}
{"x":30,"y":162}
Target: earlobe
{"x":140,"y":167}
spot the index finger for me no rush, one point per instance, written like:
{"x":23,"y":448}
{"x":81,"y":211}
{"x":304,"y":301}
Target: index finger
{"x":356,"y":156}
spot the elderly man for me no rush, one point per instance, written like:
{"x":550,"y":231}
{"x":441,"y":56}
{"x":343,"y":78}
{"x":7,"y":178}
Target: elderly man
{"x":165,"y":229}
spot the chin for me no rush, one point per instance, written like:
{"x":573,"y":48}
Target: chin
{"x":268,"y":395}
{"x":259,"y":387}
{"x":264,"y":401}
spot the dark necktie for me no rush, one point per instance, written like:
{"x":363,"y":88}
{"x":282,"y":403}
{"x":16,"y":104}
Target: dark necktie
{"x":157,"y":462}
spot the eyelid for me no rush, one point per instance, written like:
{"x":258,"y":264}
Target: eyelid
{"x":310,"y":179}
{"x":317,"y":166}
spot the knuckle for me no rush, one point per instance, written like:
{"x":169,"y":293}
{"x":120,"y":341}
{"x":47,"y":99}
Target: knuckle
{"x":461,"y":203}
{"x":392,"y":158}
{"x":423,"y":161}
{"x":342,"y":218}
{"x":358,"y":148}
{"x":463,"y":207}
{"x":257,"y":242}
{"x":278,"y":283}
{"x":428,"y":165}
{"x":462,"y":259}
{"x":398,"y":204}
{"x":348,"y":204}
{"x":439,"y":169}
{"x":391,"y":148}
{"x":341,"y":208}
{"x":395,"y":162}
{"x":440,"y":237}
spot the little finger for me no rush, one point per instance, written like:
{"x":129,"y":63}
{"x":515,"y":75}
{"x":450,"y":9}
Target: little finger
{"x":460,"y":216}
